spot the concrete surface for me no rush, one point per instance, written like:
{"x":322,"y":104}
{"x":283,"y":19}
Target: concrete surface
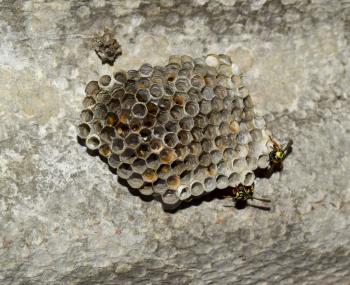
{"x":64,"y":219}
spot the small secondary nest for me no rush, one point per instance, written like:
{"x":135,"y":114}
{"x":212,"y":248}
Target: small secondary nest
{"x":107,"y":47}
{"x":176,"y":131}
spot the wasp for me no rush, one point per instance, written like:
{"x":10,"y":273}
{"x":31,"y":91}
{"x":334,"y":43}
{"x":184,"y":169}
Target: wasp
{"x":278,"y":153}
{"x":241,"y":194}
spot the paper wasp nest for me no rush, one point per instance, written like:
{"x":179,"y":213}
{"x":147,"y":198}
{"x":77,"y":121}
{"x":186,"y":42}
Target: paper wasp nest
{"x":178,"y":131}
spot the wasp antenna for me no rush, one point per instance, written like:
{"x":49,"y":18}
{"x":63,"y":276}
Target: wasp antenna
{"x":229,"y":206}
{"x":259,"y":207}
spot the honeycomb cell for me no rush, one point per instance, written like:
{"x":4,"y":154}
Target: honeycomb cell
{"x":156,"y":145}
{"x":169,"y":87}
{"x":256,"y":135}
{"x":132,"y":75}
{"x":214,"y":118}
{"x":89,"y":102}
{"x":249,"y":178}
{"x":169,"y":197}
{"x":164,"y":171}
{"x":242,"y":150}
{"x":243,"y":92}
{"x":212,"y":60}
{"x":114,"y":160}
{"x":248,"y":102}
{"x":185,"y":73}
{"x":235,"y":179}
{"x":113,"y":105}
{"x":224,"y":129}
{"x":135,"y":125}
{"x":108,"y":134}
{"x":104,"y":80}
{"x":152,"y":108}
{"x":182,"y":84}
{"x":210,"y":83}
{"x":149,"y":121}
{"x":162,"y":117}
{"x":177,"y":112}
{"x":234,"y":127}
{"x":143,"y":150}
{"x":118,"y":93}
{"x":146,"y":189}
{"x":192,"y":108}
{"x":183,"y":193}
{"x":170,"y":139}
{"x":239,"y":164}
{"x":159,"y":131}
{"x":217,"y":104}
{"x":212,"y":132}
{"x":171,"y":126}
{"x":105,"y":150}
{"x":135,"y":180}
{"x":83,"y":130}
{"x":156,"y":91}
{"x":181,"y":151}
{"x":97,"y":127}
{"x":93,"y":142}
{"x":139,"y":165}
{"x":194,"y":94}
{"x":132,"y":139}
{"x":146,"y":70}
{"x":207,"y":145}
{"x":184,"y":137}
{"x":143,"y":83}
{"x":167,"y":155}
{"x":197,"y":134}
{"x":92,"y":88}
{"x":209,"y":184}
{"x":150,"y":175}
{"x":191,"y":161}
{"x":179,"y":98}
{"x":197,"y":189}
{"x":195,"y":148}
{"x":216,"y":156}
{"x":186,"y":123}
{"x":225,"y":59}
{"x":229,"y":154}
{"x":153,"y":161}
{"x":173,"y":182}
{"x":263,"y":161}
{"x":248,"y":114}
{"x":103,"y":97}
{"x":205,"y":159}
{"x":164,"y":104}
{"x":143,"y":95}
{"x":223,"y":167}
{"x":111,"y":119}
{"x":124,"y":171}
{"x":243,"y":137}
{"x":118,"y":145}
{"x":252,"y":162}
{"x":128,"y":155}
{"x":100,"y":111}
{"x":139,"y":110}
{"x":259,"y":122}
{"x":205,"y":107}
{"x":222,"y":181}
{"x":208,"y":93}
{"x":121,"y":77}
{"x":160,"y":186}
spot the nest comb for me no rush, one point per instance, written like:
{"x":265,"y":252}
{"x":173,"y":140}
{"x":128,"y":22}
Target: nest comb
{"x":176,"y":131}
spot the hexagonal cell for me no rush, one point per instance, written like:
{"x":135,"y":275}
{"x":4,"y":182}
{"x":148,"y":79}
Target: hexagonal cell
{"x":222,"y":181}
{"x":209,"y":184}
{"x":169,"y":88}
{"x":93,"y":142}
{"x":149,"y":121}
{"x":132,"y":75}
{"x":259,"y":122}
{"x":179,"y":98}
{"x":135,"y":181}
{"x":205,"y":107}
{"x":97,"y":127}
{"x":210,"y":82}
{"x":252,"y":162}
{"x":162,"y":117}
{"x":156,"y":91}
{"x":263,"y":161}
{"x":149,"y":175}
{"x":104,"y":80}
{"x":229,"y":154}
{"x":132,"y":140}
{"x":158,"y":80}
{"x":195,"y":148}
{"x":191,"y":162}
{"x":246,"y":126}
{"x":113,"y":105}
{"x":256,"y":135}
{"x":212,"y":60}
{"x":143,"y":95}
{"x":211,"y":131}
{"x":92,"y":88}
{"x":89,"y":102}
{"x":184,"y":137}
{"x":183,"y":193}
{"x":182,"y":84}
{"x":120,"y":77}
{"x":139,"y":165}
{"x":128,"y":155}
{"x":146,"y":70}
{"x":167,"y":155}
{"x":208,"y":93}
{"x":192,"y":108}
{"x":186,"y":123}
{"x":239,"y":164}
{"x":170,"y":139}
{"x":243,"y":92}
{"x":156,"y":145}
{"x":164,"y":171}
{"x":216,"y":156}
{"x":197,"y":189}
{"x":152,"y":108}
{"x":199,"y":69}
{"x":238,"y":103}
{"x":114,"y":160}
{"x":221,"y":142}
{"x":234,"y":127}
{"x":181,"y":151}
{"x":177,"y":112}
{"x":169,"y":197}
{"x":194,"y":94}
{"x":124,"y":171}
{"x":147,"y":189}
{"x":197,"y":81}
{"x":143,"y":83}
{"x":249,"y":178}
{"x":185,"y":73}
{"x":111,"y":119}
{"x":83,"y":130}
{"x":207,"y":145}
{"x":186,"y":59}
{"x":173,"y":182}
{"x":178,"y":167}
{"x":235,"y":179}
{"x":130,"y":87}
{"x":135,"y":125}
{"x":159,"y":131}
{"x":242,"y":150}
{"x":243,"y":137}
{"x":146,"y":135}
{"x":171,"y":126}
{"x":197,"y":134}
{"x":118,"y":93}
{"x":105,"y":150}
{"x":103,"y":97}
{"x":100,"y":111}
{"x":214,"y":118}
{"x":205,"y":159}
{"x":160,"y":186}
{"x":143,"y":150}
{"x":139,"y":110}
{"x":107,"y":134}
{"x":200,"y":121}
{"x":118,"y":145}
{"x":153,"y":161}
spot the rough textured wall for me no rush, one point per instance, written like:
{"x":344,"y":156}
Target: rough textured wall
{"x":64,"y":219}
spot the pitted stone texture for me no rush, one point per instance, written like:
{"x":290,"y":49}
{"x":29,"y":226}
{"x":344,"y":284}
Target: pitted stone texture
{"x":176,"y":127}
{"x":65,"y":220}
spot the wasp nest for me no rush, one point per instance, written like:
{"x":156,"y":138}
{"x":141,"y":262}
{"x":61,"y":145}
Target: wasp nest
{"x":177,"y":131}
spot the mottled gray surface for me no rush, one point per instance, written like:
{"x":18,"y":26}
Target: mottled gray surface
{"x":64,"y":219}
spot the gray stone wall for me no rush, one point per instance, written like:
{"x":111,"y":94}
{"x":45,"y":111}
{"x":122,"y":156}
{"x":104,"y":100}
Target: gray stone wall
{"x":64,"y":219}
